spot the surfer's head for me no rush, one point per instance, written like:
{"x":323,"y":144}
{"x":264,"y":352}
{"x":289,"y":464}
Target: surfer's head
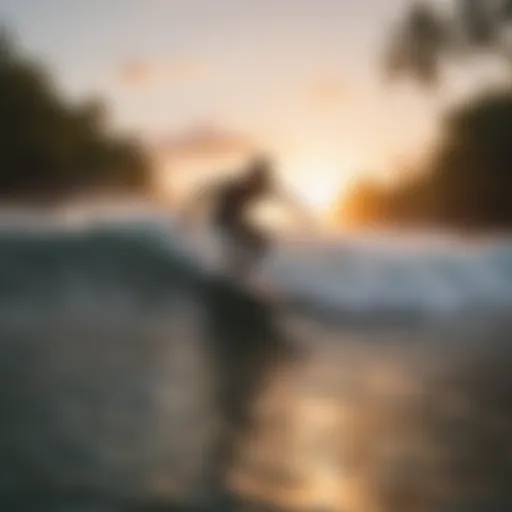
{"x":260,"y":171}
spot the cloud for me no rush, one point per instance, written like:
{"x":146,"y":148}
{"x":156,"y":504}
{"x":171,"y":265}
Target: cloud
{"x":206,"y":141}
{"x":202,"y":152}
{"x":146,"y":73}
{"x":327,"y":93}
{"x":135,"y":73}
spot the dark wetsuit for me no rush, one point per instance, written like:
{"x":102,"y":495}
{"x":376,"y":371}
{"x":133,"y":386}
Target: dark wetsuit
{"x":233,"y":201}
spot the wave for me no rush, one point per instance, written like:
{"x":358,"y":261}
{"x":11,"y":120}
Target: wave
{"x":361,"y":278}
{"x":371,"y":276}
{"x":129,"y":371}
{"x":128,"y":357}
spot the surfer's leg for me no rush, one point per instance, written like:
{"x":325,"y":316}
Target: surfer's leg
{"x":245,"y":247}
{"x":256,"y":244}
{"x":234,"y":252}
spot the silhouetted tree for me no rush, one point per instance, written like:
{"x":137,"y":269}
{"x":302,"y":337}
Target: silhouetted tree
{"x":471,"y":172}
{"x":50,"y":148}
{"x":467,"y":182}
{"x":427,"y":37}
{"x":417,"y":43}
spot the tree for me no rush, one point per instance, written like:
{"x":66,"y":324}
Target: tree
{"x":426,"y":38}
{"x":467,"y":182}
{"x":51,"y":149}
{"x":472,"y":169}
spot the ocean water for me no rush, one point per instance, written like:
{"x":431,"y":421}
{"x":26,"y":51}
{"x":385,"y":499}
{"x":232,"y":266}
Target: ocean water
{"x":377,"y":378}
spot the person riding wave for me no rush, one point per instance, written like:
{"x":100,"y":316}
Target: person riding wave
{"x":246,"y":243}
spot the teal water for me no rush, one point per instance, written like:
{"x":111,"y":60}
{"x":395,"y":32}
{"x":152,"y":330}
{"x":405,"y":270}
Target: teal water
{"x":134,"y":380}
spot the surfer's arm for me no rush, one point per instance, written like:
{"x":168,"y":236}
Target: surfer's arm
{"x":197,"y":201}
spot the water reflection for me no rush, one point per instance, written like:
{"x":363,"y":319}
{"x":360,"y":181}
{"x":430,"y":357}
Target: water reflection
{"x":130,"y":382}
{"x":387,"y":426}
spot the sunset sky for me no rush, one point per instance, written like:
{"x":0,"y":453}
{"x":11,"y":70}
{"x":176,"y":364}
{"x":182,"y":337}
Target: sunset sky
{"x":206,"y":80}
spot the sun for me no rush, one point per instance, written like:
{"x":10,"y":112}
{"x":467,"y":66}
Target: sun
{"x":318,"y":194}
{"x":319,"y":182}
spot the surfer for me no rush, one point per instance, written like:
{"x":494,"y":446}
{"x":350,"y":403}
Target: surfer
{"x":233,"y":199}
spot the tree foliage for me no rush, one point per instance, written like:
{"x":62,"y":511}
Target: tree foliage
{"x":426,"y":37}
{"x":50,"y":148}
{"x":467,"y":182}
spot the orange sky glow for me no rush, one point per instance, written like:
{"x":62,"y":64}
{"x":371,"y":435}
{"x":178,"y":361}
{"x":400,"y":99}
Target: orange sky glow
{"x":206,"y":83}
